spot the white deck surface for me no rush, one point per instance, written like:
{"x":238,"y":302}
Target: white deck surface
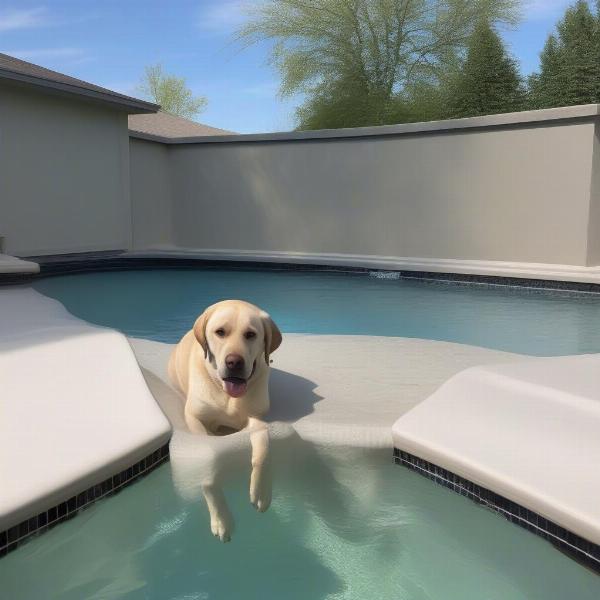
{"x":12,"y":264}
{"x":529,"y":431}
{"x":74,"y":407}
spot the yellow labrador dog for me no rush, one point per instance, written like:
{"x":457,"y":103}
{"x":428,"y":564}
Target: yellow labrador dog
{"x":221,"y":366}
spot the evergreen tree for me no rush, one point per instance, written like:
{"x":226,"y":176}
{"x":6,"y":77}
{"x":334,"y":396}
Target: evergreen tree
{"x":489,"y":81}
{"x":545,"y":87}
{"x":570,"y":61}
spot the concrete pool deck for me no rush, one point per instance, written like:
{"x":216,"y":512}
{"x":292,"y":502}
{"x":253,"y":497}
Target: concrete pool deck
{"x":13,"y":265}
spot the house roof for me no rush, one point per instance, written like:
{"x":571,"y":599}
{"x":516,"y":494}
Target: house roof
{"x":165,"y":125}
{"x":15,"y":69}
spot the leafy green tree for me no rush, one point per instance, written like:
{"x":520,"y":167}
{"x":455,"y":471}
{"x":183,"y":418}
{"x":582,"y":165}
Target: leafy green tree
{"x":570,"y":61}
{"x":352,"y":59}
{"x":489,"y":81}
{"x":171,"y":93}
{"x":335,"y":104}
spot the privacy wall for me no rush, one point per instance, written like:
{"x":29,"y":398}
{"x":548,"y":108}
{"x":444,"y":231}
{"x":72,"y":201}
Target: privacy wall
{"x":521,"y":187}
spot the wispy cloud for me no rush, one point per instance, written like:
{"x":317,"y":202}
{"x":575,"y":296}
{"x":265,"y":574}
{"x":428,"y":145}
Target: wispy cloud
{"x":52,"y":57}
{"x":545,"y":9}
{"x":16,"y":18}
{"x":222,"y":17}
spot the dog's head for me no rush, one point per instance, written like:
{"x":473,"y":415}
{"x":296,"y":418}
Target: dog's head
{"x":236,"y":337}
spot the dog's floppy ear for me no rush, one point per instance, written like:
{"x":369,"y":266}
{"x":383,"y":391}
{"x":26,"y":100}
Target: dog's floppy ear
{"x":200,"y":328}
{"x":272,"y":335}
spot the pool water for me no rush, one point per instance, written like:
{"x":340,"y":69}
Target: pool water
{"x":162,"y":305}
{"x":345,"y":527}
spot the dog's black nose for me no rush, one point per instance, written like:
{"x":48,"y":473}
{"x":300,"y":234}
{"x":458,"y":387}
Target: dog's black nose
{"x":234,"y":362}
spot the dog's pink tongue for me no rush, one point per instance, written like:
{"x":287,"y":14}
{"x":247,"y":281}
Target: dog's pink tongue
{"x":235,"y":389}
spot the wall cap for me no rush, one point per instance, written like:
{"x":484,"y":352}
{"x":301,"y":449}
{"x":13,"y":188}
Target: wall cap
{"x":526,"y":118}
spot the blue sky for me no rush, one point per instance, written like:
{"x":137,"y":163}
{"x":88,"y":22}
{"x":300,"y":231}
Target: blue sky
{"x":109,"y":42}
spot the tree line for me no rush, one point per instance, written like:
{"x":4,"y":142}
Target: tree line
{"x":377,"y":62}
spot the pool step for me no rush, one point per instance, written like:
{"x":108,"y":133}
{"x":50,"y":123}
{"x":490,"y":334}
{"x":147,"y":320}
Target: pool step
{"x":76,"y":412}
{"x":521,"y":438}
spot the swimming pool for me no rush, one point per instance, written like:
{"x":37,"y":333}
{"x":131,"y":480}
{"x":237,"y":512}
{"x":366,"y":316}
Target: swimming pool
{"x":344,"y":524}
{"x":162,"y":304}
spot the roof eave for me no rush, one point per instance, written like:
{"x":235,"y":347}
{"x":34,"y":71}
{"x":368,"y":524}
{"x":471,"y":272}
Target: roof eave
{"x":131,"y":106}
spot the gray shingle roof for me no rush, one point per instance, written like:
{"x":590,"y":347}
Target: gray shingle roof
{"x":165,"y":125}
{"x":15,"y":69}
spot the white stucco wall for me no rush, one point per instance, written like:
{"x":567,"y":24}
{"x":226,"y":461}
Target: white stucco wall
{"x":593,"y":252}
{"x":64,"y":174}
{"x":151,"y":196}
{"x":514,"y":189}
{"x":520,"y":188}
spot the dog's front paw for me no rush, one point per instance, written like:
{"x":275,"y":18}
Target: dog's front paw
{"x":221,"y":528}
{"x":260,"y":491}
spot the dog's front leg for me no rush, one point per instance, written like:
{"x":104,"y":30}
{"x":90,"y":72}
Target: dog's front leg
{"x":221,"y":521}
{"x":260,"y":479}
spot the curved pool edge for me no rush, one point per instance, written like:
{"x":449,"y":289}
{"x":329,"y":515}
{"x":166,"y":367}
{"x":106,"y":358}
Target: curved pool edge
{"x":474,"y":272}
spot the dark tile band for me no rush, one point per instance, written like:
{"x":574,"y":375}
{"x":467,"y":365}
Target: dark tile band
{"x":571,"y":544}
{"x":115,"y":260}
{"x":11,"y":538}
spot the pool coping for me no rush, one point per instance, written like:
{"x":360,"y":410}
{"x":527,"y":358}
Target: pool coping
{"x":583,"y":551}
{"x":15,"y":536}
{"x":121,"y":260}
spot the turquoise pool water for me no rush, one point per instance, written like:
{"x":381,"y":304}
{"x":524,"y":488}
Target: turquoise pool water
{"x":344,"y":524}
{"x":162,"y":305}
{"x":349,"y":527}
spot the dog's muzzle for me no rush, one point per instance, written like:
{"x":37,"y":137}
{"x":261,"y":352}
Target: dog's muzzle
{"x":234,"y":385}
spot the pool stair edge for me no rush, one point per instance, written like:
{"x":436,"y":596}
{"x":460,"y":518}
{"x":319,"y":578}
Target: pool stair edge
{"x":78,"y":420}
{"x":521,"y":439}
{"x":15,"y":536}
{"x":578,"y":548}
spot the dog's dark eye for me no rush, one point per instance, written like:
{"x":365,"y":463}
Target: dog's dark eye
{"x":249,"y":335}
{"x":220,"y":332}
